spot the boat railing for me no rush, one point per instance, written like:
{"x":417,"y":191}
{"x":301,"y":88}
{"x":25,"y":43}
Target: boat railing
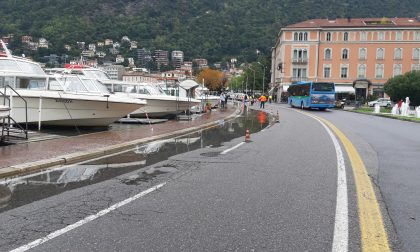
{"x":9,"y":125}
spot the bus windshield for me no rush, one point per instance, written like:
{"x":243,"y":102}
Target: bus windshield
{"x":322,"y":87}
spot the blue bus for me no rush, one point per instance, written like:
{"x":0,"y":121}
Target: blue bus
{"x":320,"y":95}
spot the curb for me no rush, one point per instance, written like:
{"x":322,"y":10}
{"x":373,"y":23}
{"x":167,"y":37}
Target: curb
{"x":26,"y":168}
{"x":383,"y":116}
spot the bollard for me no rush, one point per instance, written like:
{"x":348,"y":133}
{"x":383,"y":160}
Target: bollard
{"x":247,"y":136}
{"x":278,"y":117}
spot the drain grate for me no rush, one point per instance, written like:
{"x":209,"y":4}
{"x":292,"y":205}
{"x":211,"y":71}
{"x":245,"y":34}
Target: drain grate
{"x":210,"y":154}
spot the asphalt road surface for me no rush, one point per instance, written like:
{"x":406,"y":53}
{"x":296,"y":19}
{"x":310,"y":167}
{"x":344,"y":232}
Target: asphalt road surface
{"x":275,"y":193}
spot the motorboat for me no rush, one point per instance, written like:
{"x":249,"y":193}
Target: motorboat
{"x":61,"y":100}
{"x":203,"y":94}
{"x":159,"y":104}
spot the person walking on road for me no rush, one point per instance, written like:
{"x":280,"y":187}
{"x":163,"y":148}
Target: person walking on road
{"x":222,"y":101}
{"x":270,"y":98}
{"x":262,"y":99}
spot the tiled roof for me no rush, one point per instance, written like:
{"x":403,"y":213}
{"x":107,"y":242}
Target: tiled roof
{"x":357,"y":22}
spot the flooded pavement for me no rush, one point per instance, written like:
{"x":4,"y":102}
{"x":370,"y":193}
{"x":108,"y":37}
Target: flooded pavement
{"x":21,"y":191}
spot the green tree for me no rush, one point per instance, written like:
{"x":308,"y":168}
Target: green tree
{"x":402,"y":86}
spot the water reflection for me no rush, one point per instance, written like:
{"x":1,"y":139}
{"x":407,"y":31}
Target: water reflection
{"x":18,"y":192}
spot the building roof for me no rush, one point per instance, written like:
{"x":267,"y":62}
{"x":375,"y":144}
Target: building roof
{"x":357,"y":22}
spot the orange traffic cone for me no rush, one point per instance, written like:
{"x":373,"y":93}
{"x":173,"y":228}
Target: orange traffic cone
{"x":247,"y":136}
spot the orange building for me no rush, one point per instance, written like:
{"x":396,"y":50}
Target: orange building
{"x":358,"y":54}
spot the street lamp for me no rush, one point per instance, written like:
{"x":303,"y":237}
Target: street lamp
{"x":263,"y":75}
{"x":253,"y":86}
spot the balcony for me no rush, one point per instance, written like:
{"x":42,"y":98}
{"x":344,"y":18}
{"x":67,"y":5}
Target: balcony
{"x":300,"y":60}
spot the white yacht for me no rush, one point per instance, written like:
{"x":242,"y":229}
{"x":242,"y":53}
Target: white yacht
{"x":61,"y":100}
{"x":159,"y":104}
{"x":204,"y":95}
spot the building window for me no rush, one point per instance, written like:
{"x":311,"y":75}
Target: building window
{"x":417,"y":35}
{"x":399,"y":35}
{"x":344,"y":70}
{"x":300,"y":36}
{"x":379,"y":71}
{"x":381,"y":35}
{"x":300,"y":55}
{"x":327,"y":71}
{"x":299,"y":72}
{"x":415,"y":67}
{"x":397,"y":69}
{"x":305,"y":36}
{"x":328,"y":36}
{"x":380,"y":53}
{"x":416,"y":53}
{"x":327,"y":54}
{"x":362,"y":53}
{"x":346,"y":36}
{"x":361,"y":71}
{"x":363,"y":36}
{"x":295,"y":36}
{"x":398,"y":53}
{"x":345,"y":54}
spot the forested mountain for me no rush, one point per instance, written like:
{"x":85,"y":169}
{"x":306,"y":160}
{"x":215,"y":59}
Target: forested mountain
{"x":212,"y":29}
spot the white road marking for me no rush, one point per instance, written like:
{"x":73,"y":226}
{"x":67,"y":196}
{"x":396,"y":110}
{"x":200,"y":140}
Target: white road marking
{"x":230,"y":149}
{"x":85,"y":220}
{"x":341,"y":224}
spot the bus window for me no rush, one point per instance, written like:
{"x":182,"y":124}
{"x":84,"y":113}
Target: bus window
{"x":323,"y":87}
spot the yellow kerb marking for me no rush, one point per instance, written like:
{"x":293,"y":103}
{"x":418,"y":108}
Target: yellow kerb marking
{"x":373,"y":234}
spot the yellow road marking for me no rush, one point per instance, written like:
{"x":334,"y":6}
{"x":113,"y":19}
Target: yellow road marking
{"x":373,"y":233}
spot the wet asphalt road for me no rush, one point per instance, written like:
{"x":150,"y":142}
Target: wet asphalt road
{"x":276,"y":193}
{"x":391,"y":150}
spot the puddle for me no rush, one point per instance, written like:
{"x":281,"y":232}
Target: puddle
{"x":21,"y":191}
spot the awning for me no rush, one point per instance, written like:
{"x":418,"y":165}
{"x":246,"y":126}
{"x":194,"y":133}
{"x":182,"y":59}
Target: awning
{"x":344,"y":89}
{"x":188,"y":84}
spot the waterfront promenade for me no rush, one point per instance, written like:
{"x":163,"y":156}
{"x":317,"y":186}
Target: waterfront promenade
{"x":26,"y":157}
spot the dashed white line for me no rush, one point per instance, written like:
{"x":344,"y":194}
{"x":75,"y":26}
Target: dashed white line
{"x":230,"y":149}
{"x":85,"y":220}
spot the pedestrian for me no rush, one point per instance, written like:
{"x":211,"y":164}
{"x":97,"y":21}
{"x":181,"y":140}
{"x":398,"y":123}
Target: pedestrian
{"x":262,"y":99}
{"x":400,"y":106}
{"x":245,"y":101}
{"x":270,"y":98}
{"x":222,"y":101}
{"x":252,"y":100}
{"x":226,"y":100}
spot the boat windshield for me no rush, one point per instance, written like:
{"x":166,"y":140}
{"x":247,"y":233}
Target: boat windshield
{"x":95,"y":86}
{"x":96,"y":74}
{"x":21,"y":66}
{"x":73,"y":84}
{"x":154,"y":90}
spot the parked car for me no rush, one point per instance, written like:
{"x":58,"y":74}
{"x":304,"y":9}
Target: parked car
{"x":383,"y":102}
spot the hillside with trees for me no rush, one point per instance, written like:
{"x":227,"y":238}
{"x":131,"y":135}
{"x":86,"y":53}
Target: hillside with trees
{"x":212,"y":29}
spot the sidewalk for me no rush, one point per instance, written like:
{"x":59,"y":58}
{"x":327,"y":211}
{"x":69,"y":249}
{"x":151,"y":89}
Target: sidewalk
{"x":24,"y":158}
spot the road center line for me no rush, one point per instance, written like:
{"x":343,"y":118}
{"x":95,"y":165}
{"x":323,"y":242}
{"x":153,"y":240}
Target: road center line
{"x":372,"y":230}
{"x":86,"y":220}
{"x":341,"y":224}
{"x":232,"y":148}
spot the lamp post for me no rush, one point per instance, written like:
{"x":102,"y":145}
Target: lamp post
{"x":263,"y":75}
{"x":253,"y":85}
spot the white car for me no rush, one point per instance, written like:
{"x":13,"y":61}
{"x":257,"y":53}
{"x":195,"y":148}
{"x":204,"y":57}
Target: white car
{"x":383,"y":102}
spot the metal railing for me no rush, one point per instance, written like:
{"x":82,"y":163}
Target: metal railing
{"x":8,"y":122}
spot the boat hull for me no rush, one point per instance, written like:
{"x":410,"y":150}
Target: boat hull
{"x":70,"y":110}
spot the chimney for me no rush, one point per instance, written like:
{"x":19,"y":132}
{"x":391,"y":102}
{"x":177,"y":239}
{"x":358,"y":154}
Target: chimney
{"x":418,"y":17}
{"x":349,"y":19}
